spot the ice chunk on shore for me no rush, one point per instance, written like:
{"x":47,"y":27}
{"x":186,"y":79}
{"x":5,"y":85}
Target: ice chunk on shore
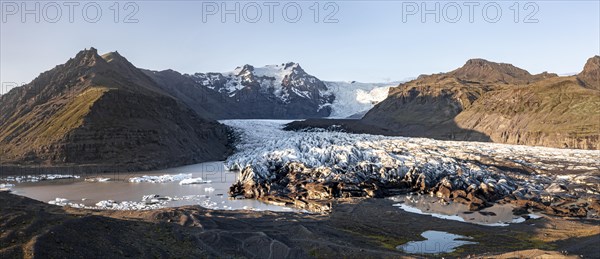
{"x":59,"y":201}
{"x":6,"y":186}
{"x":66,"y":202}
{"x":129,"y":205}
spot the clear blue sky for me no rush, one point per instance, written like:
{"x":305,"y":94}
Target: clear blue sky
{"x":370,"y":43}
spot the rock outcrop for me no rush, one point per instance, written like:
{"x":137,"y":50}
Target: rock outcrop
{"x":590,"y":76}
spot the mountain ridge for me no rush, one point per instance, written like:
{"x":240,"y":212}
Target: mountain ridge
{"x":488,"y":101}
{"x":282,"y":91}
{"x":106,"y":114}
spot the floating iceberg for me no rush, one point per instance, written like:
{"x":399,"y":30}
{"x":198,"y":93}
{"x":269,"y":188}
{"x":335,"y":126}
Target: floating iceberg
{"x":160,"y":179}
{"x":194,"y":181}
{"x":37,"y":178}
{"x":97,"y":179}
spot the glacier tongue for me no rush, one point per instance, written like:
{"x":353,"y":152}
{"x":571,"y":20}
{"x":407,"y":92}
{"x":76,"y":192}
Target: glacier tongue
{"x":355,"y":97}
{"x":285,"y":164}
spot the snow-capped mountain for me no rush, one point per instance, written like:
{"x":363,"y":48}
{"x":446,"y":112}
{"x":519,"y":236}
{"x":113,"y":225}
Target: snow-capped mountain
{"x":353,"y":98}
{"x":280,"y":80}
{"x":282,"y":91}
{"x":273,"y":91}
{"x":344,"y":98}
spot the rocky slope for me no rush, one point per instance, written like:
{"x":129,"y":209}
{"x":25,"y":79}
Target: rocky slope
{"x":103,"y":111}
{"x":556,"y":112}
{"x":201,"y":99}
{"x":487,"y":101}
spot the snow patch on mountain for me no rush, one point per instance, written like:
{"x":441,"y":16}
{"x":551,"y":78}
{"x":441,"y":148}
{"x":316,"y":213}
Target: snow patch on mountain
{"x":270,"y":78}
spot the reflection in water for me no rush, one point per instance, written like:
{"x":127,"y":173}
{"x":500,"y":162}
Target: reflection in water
{"x":118,"y":188}
{"x":436,"y":242}
{"x":497,"y":215}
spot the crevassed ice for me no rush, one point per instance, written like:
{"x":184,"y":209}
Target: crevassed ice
{"x":264,"y":145}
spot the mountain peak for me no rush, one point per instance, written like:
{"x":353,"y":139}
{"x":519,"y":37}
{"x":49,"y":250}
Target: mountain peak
{"x":269,"y":70}
{"x":592,"y":64}
{"x":482,"y":70}
{"x":113,"y":56}
{"x":86,"y":57}
{"x":478,"y":62}
{"x":91,"y":50}
{"x":291,"y":65}
{"x":590,"y":76}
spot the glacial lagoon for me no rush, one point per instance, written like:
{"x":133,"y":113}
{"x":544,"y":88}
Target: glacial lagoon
{"x":153,"y":189}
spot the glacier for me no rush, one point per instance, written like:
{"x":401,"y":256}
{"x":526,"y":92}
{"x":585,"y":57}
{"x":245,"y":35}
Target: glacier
{"x":269,"y":157}
{"x":355,"y":97}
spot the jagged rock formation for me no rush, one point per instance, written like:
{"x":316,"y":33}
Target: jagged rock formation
{"x":103,"y":111}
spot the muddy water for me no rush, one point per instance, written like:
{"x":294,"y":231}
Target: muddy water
{"x":211,"y":195}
